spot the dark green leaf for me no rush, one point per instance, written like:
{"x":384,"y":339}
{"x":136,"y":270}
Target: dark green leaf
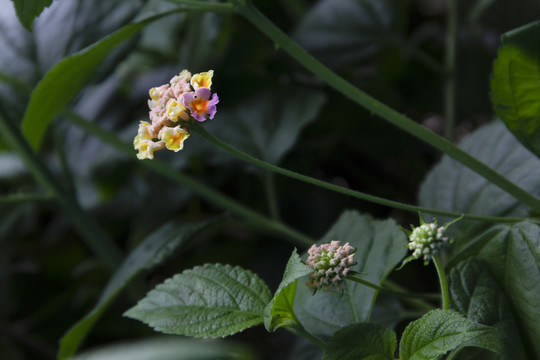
{"x":28,"y":10}
{"x":152,"y":251}
{"x":353,"y":29}
{"x":208,"y":301}
{"x":167,"y":348}
{"x":380,"y":246}
{"x":364,"y":341}
{"x":453,"y":187}
{"x":515,"y":84}
{"x":512,"y":254}
{"x":440,"y":331}
{"x":62,"y":83}
{"x":280,"y":311}
{"x":475,"y":294}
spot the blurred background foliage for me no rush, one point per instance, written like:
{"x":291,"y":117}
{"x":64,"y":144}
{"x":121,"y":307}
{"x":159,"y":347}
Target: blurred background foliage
{"x":269,"y":107}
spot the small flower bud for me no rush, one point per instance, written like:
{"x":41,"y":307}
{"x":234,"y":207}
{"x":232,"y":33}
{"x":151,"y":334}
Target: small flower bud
{"x":330,"y":264}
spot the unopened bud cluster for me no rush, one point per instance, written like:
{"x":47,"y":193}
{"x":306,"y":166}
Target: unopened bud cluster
{"x":427,"y":240}
{"x":330,"y":264}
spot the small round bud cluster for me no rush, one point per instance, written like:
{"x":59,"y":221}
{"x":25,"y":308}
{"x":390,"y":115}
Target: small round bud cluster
{"x":426,"y":240}
{"x":330,"y":264}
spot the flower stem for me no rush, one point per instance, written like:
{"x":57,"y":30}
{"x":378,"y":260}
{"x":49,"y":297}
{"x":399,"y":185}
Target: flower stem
{"x":281,"y":40}
{"x":442,"y":280}
{"x":211,"y":195}
{"x":298,"y":329}
{"x":356,"y":277}
{"x":357,"y":194}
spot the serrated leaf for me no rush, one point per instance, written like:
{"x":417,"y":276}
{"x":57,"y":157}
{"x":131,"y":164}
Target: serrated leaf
{"x":167,"y":348}
{"x":441,"y":331}
{"x":62,"y":83}
{"x":363,"y":341}
{"x":28,"y":10}
{"x":381,"y":245}
{"x":152,"y":251}
{"x":207,"y":301}
{"x":475,"y":294}
{"x":512,"y":254}
{"x":515,"y":84}
{"x":280,"y":311}
{"x":451,"y":186}
{"x":353,"y":29}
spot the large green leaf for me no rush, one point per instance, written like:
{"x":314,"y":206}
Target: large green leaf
{"x":512,"y":254}
{"x":363,"y":341}
{"x":381,"y":245}
{"x":441,"y":331}
{"x":152,"y":251}
{"x":167,"y":348}
{"x":207,"y":301}
{"x":453,"y":187}
{"x":354,"y":29}
{"x":475,"y":294}
{"x":515,"y":84}
{"x":28,"y":10}
{"x":62,"y":83}
{"x":280,"y":311}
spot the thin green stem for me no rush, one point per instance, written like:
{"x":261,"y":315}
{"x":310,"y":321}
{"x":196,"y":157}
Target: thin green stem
{"x":419,"y":304}
{"x":20,"y":198}
{"x":442,"y":280}
{"x":356,"y":277}
{"x":206,"y":6}
{"x":357,"y":194}
{"x":270,"y":189}
{"x":95,"y":238}
{"x":284,"y":42}
{"x":450,"y":70}
{"x":210,"y":195}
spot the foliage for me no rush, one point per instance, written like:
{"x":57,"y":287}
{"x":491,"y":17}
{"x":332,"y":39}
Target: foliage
{"x":193,"y":243}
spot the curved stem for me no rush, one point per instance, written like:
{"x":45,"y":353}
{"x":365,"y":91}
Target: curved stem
{"x":442,"y":280}
{"x":357,"y":194}
{"x":284,"y":42}
{"x":211,"y":195}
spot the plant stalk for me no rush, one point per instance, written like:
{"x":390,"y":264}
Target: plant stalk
{"x":281,"y":40}
{"x":442,"y":280}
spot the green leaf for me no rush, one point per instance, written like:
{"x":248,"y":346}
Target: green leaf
{"x":515,"y":84}
{"x":62,"y":83}
{"x":363,"y":341}
{"x":353,"y":29}
{"x":207,"y":301}
{"x":451,"y":186}
{"x":152,"y":251}
{"x":28,"y":10}
{"x":280,"y":311}
{"x":440,"y":331}
{"x":268,"y":123}
{"x":380,"y":246}
{"x":167,"y":348}
{"x":512,"y":254}
{"x":475,"y":294}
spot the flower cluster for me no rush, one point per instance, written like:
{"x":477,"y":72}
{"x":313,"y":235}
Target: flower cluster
{"x":172,"y":106}
{"x":427,"y":240}
{"x":330,"y":264}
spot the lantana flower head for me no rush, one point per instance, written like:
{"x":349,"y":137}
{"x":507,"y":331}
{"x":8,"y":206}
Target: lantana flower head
{"x":427,"y":240}
{"x":172,"y":107}
{"x":330,"y":263}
